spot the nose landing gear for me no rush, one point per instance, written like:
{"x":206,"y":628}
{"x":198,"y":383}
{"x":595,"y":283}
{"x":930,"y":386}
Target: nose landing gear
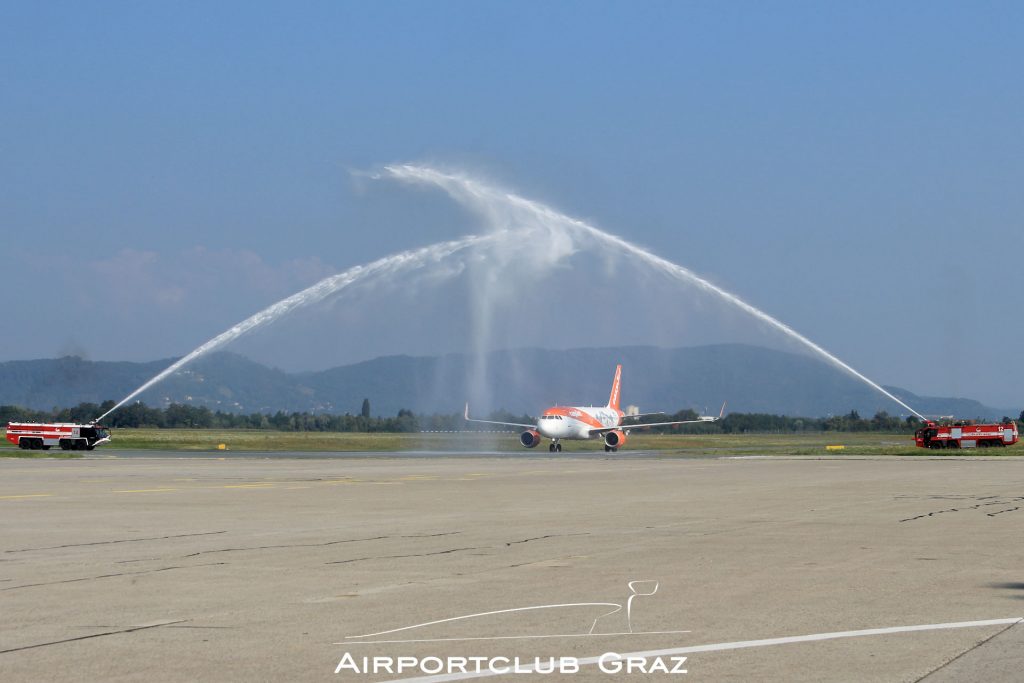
{"x":555,"y":447}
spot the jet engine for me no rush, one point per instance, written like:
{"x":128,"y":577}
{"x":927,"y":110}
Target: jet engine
{"x":530,"y":438}
{"x":614,"y":438}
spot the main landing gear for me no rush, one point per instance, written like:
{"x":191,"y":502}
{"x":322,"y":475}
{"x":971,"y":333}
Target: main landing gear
{"x":611,"y":449}
{"x":555,"y":447}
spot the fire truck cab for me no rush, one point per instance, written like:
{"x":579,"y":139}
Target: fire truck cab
{"x":70,"y":437}
{"x":966,"y":434}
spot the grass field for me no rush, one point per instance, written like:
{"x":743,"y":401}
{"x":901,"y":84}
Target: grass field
{"x":854,"y":443}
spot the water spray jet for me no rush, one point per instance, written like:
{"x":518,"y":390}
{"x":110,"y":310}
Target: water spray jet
{"x":406,"y":260}
{"x":513,"y":220}
{"x":487,"y":200}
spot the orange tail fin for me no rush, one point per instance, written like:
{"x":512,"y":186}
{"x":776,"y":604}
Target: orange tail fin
{"x":613,"y":399}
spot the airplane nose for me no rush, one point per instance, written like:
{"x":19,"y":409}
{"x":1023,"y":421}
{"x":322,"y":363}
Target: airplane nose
{"x":549,"y":428}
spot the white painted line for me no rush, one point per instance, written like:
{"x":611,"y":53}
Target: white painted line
{"x":738,"y":645}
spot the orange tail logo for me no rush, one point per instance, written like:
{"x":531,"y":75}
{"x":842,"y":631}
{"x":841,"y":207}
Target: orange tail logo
{"x":613,"y":399}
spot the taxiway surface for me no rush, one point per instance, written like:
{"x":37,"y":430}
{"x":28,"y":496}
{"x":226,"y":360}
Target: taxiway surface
{"x":255,"y":567}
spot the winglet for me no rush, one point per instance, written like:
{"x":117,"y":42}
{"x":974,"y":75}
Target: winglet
{"x":465,"y":415}
{"x":613,"y":398}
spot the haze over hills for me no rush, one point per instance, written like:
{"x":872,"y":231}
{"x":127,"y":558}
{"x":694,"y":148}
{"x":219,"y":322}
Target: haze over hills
{"x":751,"y":378}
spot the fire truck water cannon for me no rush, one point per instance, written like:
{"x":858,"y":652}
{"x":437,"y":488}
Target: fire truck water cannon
{"x":70,"y":437}
{"x":966,"y":434}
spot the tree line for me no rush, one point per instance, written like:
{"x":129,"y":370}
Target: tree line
{"x":740,"y":423}
{"x":179,"y":416}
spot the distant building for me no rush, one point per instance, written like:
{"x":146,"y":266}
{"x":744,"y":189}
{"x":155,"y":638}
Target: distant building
{"x":632,"y":410}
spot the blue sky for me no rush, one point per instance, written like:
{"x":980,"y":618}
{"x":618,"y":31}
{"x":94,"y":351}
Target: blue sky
{"x":853,"y":169}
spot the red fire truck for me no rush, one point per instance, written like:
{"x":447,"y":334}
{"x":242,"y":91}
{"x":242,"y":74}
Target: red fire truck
{"x":70,"y":437}
{"x":966,"y":434}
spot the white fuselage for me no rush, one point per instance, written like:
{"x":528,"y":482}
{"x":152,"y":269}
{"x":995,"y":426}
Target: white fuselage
{"x":576,"y":422}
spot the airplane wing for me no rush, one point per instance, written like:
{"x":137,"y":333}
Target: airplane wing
{"x":633,"y":417}
{"x":493,"y":422}
{"x":628,"y":428}
{"x":703,"y":419}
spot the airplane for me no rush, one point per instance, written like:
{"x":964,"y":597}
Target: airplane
{"x":560,"y":423}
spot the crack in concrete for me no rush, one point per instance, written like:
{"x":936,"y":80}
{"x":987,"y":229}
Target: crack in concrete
{"x":141,"y":559}
{"x":965,"y":652}
{"x":286,"y":545}
{"x":455,"y":550}
{"x":396,"y":557}
{"x":316,"y":545}
{"x":565,"y":558}
{"x":541,"y":538}
{"x":123,"y":540}
{"x":110,"y":576}
{"x":1001,"y":501}
{"x":130,"y":629}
